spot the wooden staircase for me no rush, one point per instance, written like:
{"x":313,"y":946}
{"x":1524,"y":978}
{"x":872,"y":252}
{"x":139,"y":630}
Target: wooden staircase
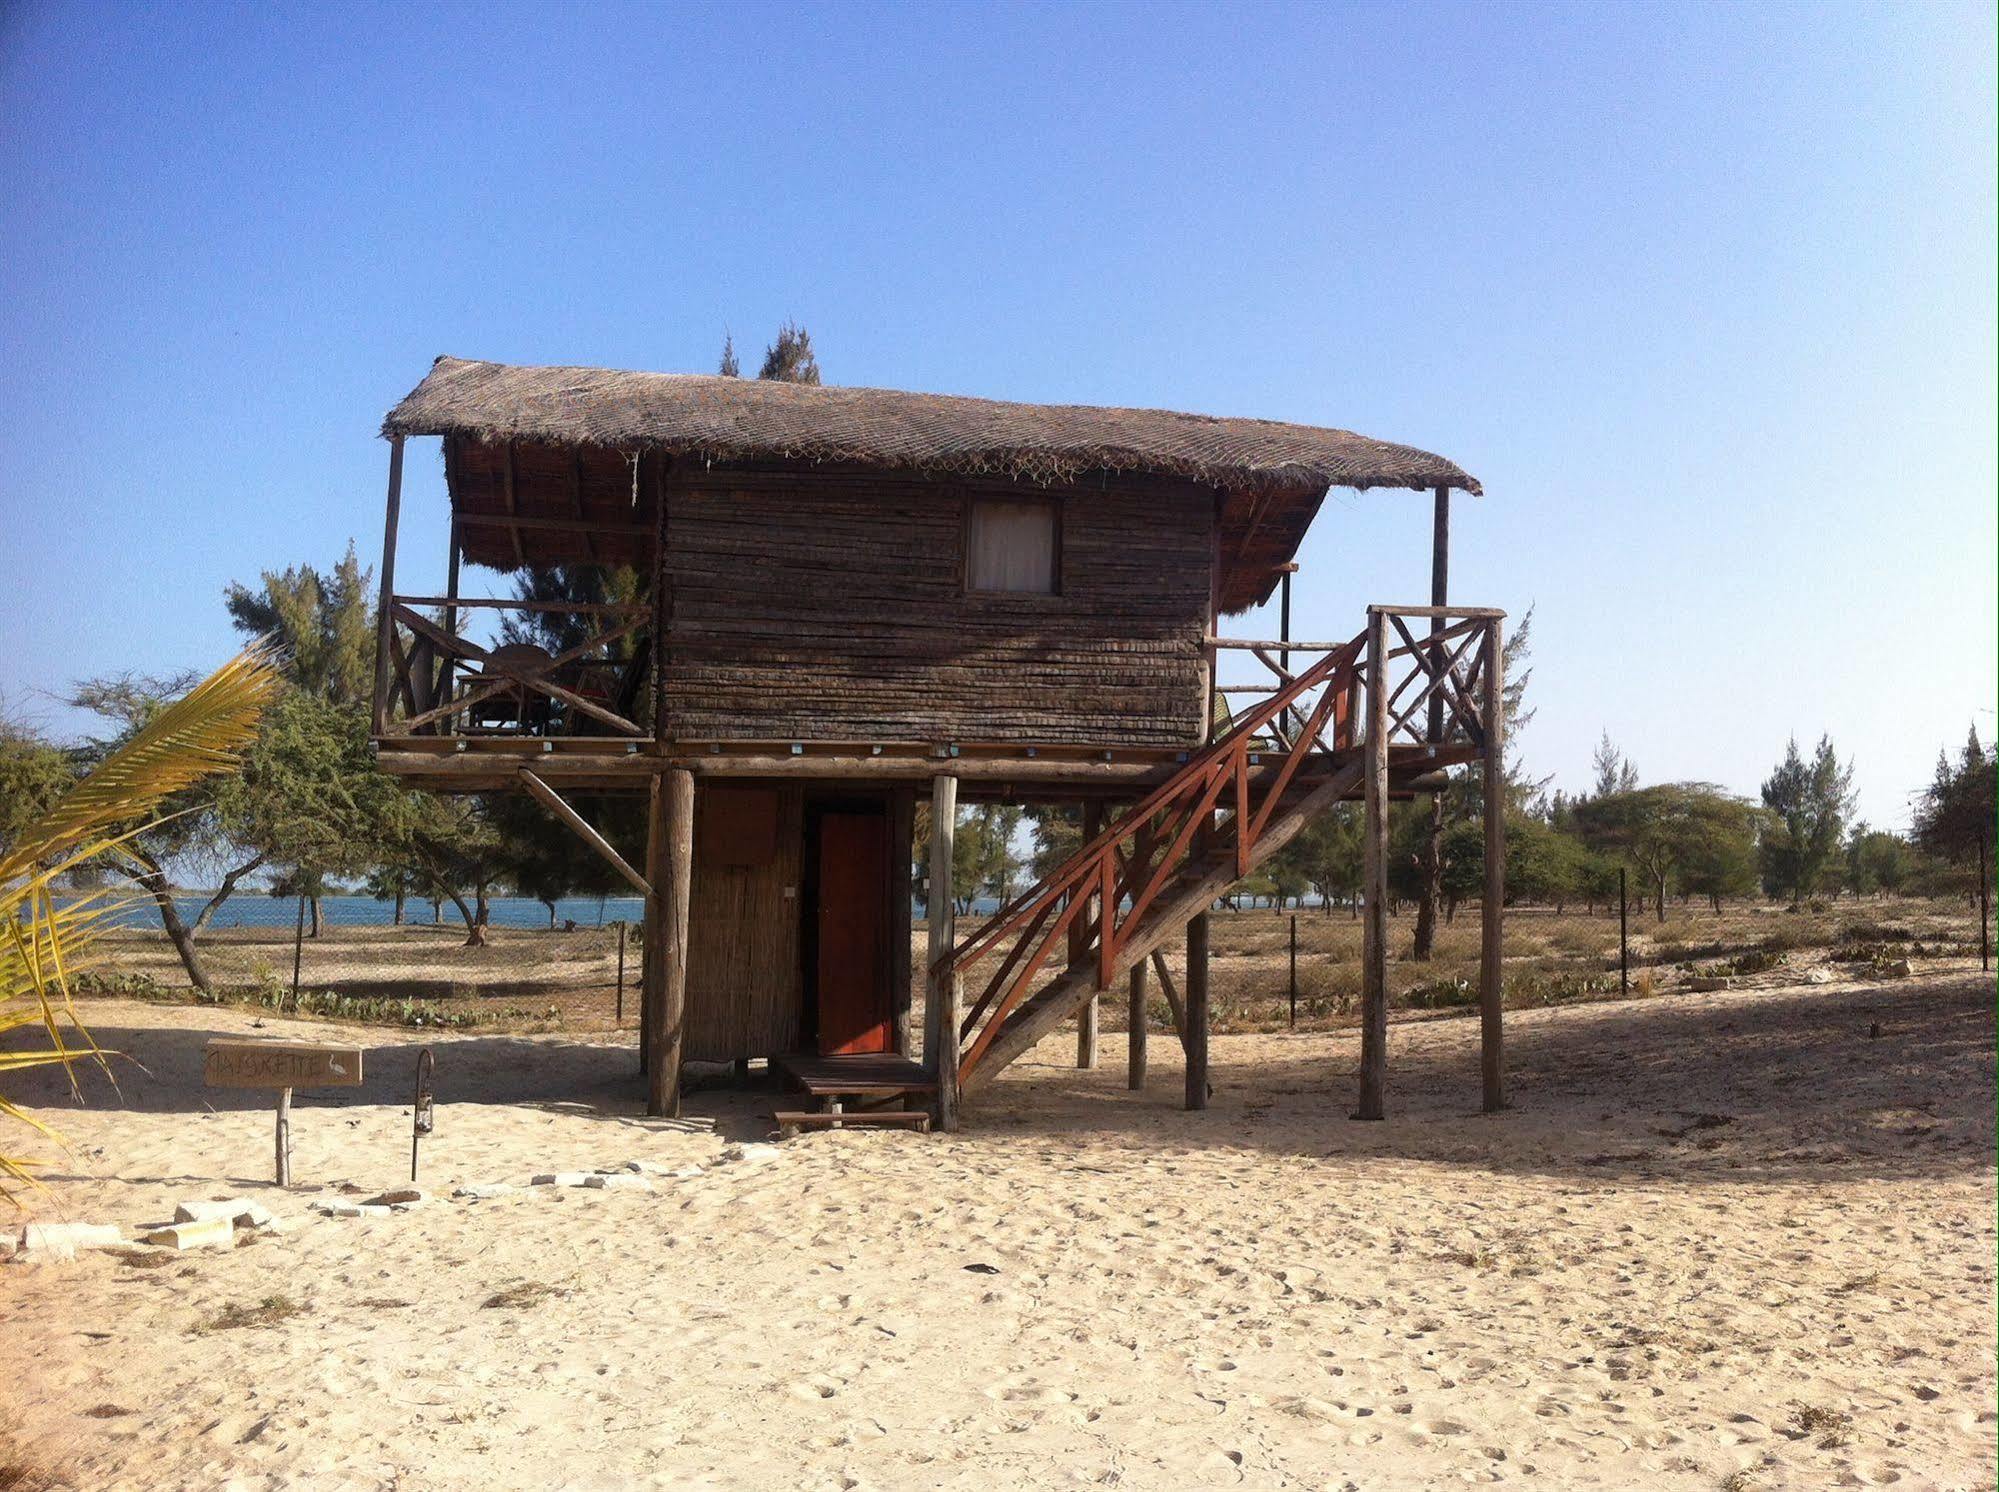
{"x":1160,"y":864}
{"x":1431,"y":701}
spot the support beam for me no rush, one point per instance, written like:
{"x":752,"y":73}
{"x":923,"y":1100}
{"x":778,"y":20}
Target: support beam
{"x":670,"y":863}
{"x":1196,"y":1032}
{"x":1433,"y":841}
{"x":1134,"y":1077}
{"x":901,"y":828}
{"x":941,"y":990}
{"x":384,"y":609}
{"x":1492,"y":907}
{"x":554,"y":802}
{"x":448,"y":667}
{"x":1079,"y":950}
{"x":1374,"y":878}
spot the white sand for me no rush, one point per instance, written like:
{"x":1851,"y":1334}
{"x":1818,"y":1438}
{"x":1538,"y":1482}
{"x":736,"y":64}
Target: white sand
{"x":1584,"y":1292}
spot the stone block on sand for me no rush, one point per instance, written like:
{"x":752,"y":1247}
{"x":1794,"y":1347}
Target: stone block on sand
{"x":480,"y":1191}
{"x":202,"y":1233}
{"x":240,"y":1211}
{"x":621,"y":1182}
{"x":399,"y":1196}
{"x":62,"y":1240}
{"x":354,"y":1209}
{"x":562,"y":1178}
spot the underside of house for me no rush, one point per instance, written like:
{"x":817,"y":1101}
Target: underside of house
{"x":826,"y":610}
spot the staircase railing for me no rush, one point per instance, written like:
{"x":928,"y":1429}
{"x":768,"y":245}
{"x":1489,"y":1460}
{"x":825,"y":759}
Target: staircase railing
{"x":1217,"y":806}
{"x":1244,"y":773}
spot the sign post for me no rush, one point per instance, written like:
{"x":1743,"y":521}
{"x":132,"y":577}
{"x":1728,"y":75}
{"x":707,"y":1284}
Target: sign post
{"x":283,"y":1065}
{"x":423,"y":1111}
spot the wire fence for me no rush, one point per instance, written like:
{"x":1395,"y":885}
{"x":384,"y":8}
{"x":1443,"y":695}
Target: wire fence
{"x":419,"y":972}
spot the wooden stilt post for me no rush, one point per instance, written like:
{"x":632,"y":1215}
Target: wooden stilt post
{"x":1492,"y":907}
{"x":670,"y":853}
{"x":1433,"y":845}
{"x":940,"y":1030}
{"x":385,"y":621}
{"x":1374,"y":874}
{"x":1197,"y":1012}
{"x":1079,"y":952}
{"x":1134,"y":1077}
{"x":284,"y":1137}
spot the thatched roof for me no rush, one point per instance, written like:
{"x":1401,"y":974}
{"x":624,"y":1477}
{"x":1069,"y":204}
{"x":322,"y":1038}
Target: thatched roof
{"x":749,"y":419}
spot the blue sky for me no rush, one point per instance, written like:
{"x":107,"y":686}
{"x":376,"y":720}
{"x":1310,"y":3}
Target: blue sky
{"x":1704,"y":294}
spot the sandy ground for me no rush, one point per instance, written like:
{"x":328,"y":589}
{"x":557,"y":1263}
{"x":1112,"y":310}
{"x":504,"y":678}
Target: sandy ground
{"x":1704,"y":1214}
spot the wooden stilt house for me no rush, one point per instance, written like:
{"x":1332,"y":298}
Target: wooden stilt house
{"x":854,"y":600}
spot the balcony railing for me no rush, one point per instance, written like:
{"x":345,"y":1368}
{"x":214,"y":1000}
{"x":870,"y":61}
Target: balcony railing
{"x":440,"y":682}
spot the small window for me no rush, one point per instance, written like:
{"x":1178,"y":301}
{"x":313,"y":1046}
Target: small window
{"x":1013,"y":546}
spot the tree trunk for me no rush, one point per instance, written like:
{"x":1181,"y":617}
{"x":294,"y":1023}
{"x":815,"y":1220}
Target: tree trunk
{"x":1433,"y":878}
{"x":178,"y":932}
{"x":318,"y":917}
{"x":223,"y":891}
{"x":475,"y":930}
{"x":1660,"y":903}
{"x":436,"y":912}
{"x":399,"y":906}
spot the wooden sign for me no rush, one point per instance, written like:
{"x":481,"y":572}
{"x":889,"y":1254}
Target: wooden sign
{"x":280,"y":1064}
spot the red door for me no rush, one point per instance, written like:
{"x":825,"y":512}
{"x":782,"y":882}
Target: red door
{"x":854,"y":1010}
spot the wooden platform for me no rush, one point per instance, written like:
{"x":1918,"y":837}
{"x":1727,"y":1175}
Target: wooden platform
{"x":833,"y":1080}
{"x":790,"y":1122}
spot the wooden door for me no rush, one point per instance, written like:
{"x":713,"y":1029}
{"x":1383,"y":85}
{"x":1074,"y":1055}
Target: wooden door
{"x":854,"y":1007}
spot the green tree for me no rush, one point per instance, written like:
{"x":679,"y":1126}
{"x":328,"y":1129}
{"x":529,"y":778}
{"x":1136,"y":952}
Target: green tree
{"x":310,"y":800}
{"x":1326,"y":853}
{"x":1615,"y":773}
{"x":1954,"y":815}
{"x":34,"y":773}
{"x":729,"y":367}
{"x":1672,"y":830}
{"x":790,"y":358}
{"x":1876,"y":860}
{"x":1809,"y":804}
{"x":1057,"y":832}
{"x":325,"y":626}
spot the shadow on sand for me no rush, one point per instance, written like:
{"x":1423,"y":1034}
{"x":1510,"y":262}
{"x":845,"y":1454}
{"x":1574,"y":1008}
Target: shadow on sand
{"x":1880,"y":1081}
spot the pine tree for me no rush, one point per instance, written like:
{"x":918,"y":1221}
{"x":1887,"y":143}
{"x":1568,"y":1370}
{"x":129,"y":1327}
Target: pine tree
{"x":789,"y":359}
{"x":730,"y":368}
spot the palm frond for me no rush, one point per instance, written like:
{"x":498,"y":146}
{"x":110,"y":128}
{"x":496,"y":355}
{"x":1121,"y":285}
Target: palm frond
{"x":43,"y":941}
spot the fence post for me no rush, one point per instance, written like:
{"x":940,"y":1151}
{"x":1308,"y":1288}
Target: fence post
{"x":620,"y":1018}
{"x":1623,"y":930}
{"x":1984,"y":907}
{"x":298,"y":952}
{"x":1294,"y":971}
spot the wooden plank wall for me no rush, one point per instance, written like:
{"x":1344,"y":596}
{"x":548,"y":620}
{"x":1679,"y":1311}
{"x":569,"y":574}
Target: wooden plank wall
{"x":744,"y":990}
{"x":832,"y":606}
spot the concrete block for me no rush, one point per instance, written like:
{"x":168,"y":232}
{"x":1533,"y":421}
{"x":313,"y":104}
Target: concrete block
{"x":62,"y":1240}
{"x":563,"y":1178}
{"x":354,"y":1209}
{"x":400,"y":1196}
{"x":207,"y":1232}
{"x":618,"y":1183}
{"x":240,"y":1211}
{"x":1707,"y":984}
{"x":481,"y":1191}
{"x":750,"y":1155}
{"x":656,"y":1168}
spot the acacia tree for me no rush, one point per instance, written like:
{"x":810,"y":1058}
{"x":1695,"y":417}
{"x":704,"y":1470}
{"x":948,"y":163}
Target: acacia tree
{"x":1677,"y":829}
{"x":1809,"y":803}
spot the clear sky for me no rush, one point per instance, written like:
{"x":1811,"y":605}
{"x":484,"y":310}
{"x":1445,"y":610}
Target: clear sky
{"x":1704,"y":294}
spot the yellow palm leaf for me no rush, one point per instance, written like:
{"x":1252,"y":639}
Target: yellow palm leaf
{"x":45,"y":941}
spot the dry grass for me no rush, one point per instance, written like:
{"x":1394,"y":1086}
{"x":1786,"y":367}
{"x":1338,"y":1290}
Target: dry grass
{"x":1552,"y":958}
{"x":267,"y":1312}
{"x":521,"y":1294}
